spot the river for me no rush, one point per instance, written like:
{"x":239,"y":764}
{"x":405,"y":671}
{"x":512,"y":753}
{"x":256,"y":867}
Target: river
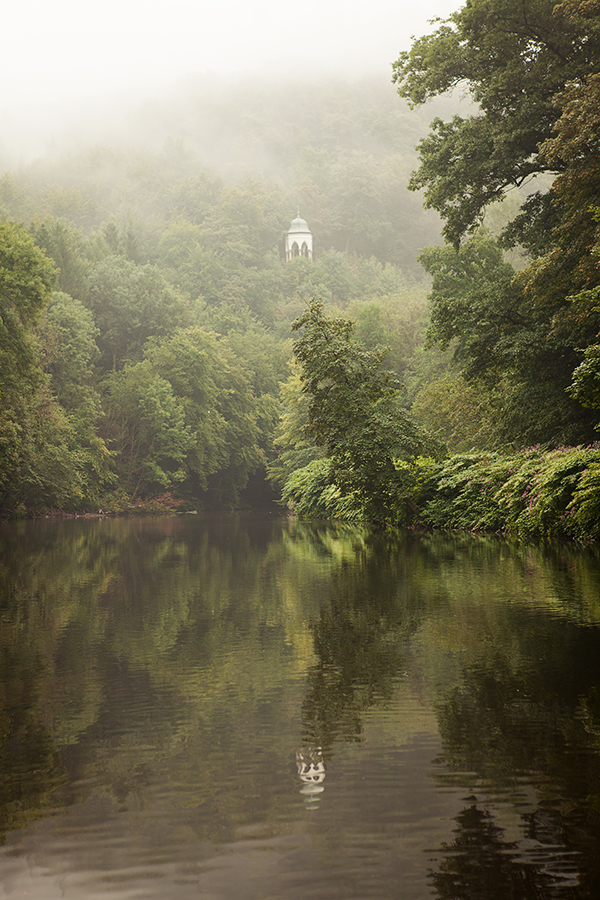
{"x":247,"y":707}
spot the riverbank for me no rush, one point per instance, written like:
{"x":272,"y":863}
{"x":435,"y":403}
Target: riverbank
{"x":534,"y":493}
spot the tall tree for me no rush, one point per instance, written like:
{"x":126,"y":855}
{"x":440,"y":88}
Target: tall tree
{"x":513,"y":58}
{"x":66,"y":333}
{"x":214,"y":391}
{"x":146,"y":430}
{"x":65,"y":246}
{"x":532,"y":68}
{"x":355,"y":412}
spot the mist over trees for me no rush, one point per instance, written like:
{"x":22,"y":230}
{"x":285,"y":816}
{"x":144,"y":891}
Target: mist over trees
{"x":158,"y":365}
{"x":159,"y":358}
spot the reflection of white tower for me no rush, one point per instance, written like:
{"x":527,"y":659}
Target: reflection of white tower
{"x":311,"y":770}
{"x":298,"y":240}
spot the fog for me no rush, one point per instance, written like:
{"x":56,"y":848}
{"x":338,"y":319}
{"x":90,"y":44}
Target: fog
{"x":79,"y":73}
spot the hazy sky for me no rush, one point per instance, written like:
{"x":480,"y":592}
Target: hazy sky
{"x":66,"y":49}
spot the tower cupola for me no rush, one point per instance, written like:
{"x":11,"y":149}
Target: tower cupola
{"x":298,"y":240}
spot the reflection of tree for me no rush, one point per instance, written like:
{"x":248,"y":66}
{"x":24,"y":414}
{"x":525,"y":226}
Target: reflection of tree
{"x":359,"y":640}
{"x":481,"y":865}
{"x":171,"y":651}
{"x":30,"y":770}
{"x":514,"y":727}
{"x":501,"y":728}
{"x":129,"y":642}
{"x":359,"y":662}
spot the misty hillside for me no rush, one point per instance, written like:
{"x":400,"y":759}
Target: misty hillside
{"x":155,"y":357}
{"x":340,"y":151}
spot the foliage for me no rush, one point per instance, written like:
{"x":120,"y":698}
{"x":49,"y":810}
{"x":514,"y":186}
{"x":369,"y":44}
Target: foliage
{"x":396,"y":321}
{"x":39,"y":459}
{"x":219,"y":408}
{"x":586,"y":378}
{"x":294,"y":448}
{"x":585,"y":386}
{"x":65,"y":246}
{"x":66,"y":334}
{"x":26,"y":277}
{"x":361,"y":206}
{"x":458,"y":414}
{"x":354,"y":410}
{"x":545,"y":506}
{"x":533,"y":71}
{"x":184,"y":419}
{"x":130,"y":304}
{"x":460,"y":493}
{"x":311,"y":491}
{"x":145,"y":428}
{"x":531,"y":494}
{"x":501,"y":335}
{"x":513,"y":58}
{"x":165,"y":266}
{"x":191,"y":363}
{"x":564,"y":282}
{"x":26,"y":281}
{"x":50,"y":452}
{"x":584,"y":508}
{"x":474,"y":305}
{"x":162,"y":364}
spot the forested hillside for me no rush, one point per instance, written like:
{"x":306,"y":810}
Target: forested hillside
{"x":148,"y":360}
{"x":158,"y":351}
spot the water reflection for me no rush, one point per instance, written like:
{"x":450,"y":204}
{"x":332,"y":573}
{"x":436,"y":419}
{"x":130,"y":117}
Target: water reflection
{"x":440,"y":695}
{"x":311,"y":771}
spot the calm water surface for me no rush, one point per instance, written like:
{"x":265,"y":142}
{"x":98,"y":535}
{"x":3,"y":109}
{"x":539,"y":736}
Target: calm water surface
{"x":251,"y":708}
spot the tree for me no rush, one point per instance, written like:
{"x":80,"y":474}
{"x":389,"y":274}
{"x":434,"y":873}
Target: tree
{"x":533,"y":70}
{"x":506,"y":343}
{"x":68,"y":349}
{"x":358,"y":203}
{"x":396,"y":321}
{"x":566,"y":280}
{"x":27,"y":277}
{"x":586,"y":379}
{"x":294,"y":448}
{"x":130,"y":304}
{"x":219,"y":409}
{"x":194,"y":267}
{"x":183,"y":418}
{"x":513,"y":58}
{"x":354,"y":412}
{"x":65,"y":246}
{"x":146,"y":430}
{"x":474,"y":304}
{"x":457,"y":413}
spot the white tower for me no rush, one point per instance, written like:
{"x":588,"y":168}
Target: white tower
{"x":298,"y":240}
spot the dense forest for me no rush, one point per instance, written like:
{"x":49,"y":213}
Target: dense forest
{"x":157,"y":352}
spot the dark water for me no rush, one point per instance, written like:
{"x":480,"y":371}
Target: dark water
{"x":247,"y":708}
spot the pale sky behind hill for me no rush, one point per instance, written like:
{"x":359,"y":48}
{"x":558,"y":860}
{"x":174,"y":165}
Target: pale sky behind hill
{"x":66,"y":50}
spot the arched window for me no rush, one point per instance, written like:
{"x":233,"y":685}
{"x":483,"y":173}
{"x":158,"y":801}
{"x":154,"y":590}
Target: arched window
{"x":295,"y":249}
{"x":304,"y":250}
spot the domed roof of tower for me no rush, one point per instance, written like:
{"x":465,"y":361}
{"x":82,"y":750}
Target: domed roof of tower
{"x":299,"y":226}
